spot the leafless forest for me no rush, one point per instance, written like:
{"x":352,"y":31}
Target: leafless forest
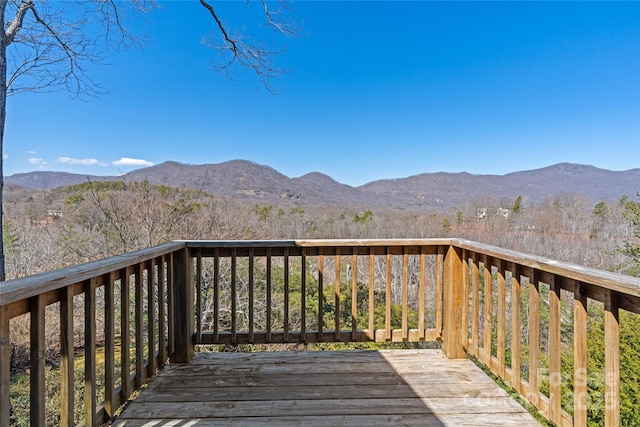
{"x":48,"y":229}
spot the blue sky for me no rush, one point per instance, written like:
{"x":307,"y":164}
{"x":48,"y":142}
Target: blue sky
{"x":375,"y":90}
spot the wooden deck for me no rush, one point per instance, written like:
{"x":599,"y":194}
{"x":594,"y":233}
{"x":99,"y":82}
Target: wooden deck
{"x":355,"y":388}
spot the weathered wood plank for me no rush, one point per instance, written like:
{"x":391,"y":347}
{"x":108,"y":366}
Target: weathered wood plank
{"x":499,"y":406}
{"x":293,"y":391}
{"x":324,"y":388}
{"x":489,"y":420}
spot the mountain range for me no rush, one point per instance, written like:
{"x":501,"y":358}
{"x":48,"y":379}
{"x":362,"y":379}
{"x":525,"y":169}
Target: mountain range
{"x":245,"y":180}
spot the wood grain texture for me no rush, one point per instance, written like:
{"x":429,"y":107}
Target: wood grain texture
{"x":385,"y":388}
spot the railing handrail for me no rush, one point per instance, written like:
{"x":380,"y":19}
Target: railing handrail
{"x":30,"y":286}
{"x":608,"y":280}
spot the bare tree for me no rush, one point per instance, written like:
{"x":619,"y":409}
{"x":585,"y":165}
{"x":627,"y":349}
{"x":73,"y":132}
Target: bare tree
{"x":48,"y":45}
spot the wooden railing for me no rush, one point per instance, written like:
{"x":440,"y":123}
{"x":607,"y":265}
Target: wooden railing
{"x":137,"y":311}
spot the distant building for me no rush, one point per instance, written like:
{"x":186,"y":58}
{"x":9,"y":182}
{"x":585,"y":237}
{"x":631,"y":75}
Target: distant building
{"x":484,"y":213}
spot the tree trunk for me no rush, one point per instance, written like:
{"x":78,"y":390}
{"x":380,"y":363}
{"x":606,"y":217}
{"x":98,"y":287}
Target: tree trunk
{"x":3,"y":116}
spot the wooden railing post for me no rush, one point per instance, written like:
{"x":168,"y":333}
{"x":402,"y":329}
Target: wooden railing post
{"x":183,"y":321}
{"x":454,"y":333}
{"x":5,"y":366}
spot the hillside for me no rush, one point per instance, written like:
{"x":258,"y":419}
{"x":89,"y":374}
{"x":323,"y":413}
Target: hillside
{"x":244,"y":180}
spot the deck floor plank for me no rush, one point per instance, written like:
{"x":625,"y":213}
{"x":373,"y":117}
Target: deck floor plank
{"x":373,"y":388}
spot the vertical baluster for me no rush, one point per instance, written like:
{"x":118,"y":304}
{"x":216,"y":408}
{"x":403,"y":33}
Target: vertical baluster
{"x":465,"y":298}
{"x":199,"y":296}
{"x":372,"y":327}
{"x":139,"y":333}
{"x":286,"y":295}
{"x":488,"y":311}
{"x":66,"y":357}
{"x":90,"y":351}
{"x":439,"y":290}
{"x":234,"y":296}
{"x":320,"y":296}
{"x":216,"y":295}
{"x":475,"y":310}
{"x":555,"y":374}
{"x":611,"y":359}
{"x":580,"y":355}
{"x":502,"y":320}
{"x":5,"y":368}
{"x":110,"y":405}
{"x":516,"y":326}
{"x":534,"y":337}
{"x":337,"y":296}
{"x":421,"y":296}
{"x":162,"y":343}
{"x":268,"y":295}
{"x":125,"y":333}
{"x":251,"y":296}
{"x":405,"y":294}
{"x":151,"y":316}
{"x":303,"y":296}
{"x":171,"y":306}
{"x":354,"y":295}
{"x":37,"y":360}
{"x":387,"y":320}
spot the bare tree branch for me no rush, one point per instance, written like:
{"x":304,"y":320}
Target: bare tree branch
{"x":16,"y":24}
{"x":237,"y":49}
{"x":53,"y":42}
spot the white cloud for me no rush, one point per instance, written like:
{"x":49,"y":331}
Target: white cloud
{"x":37,"y":161}
{"x":126,"y":161}
{"x":72,"y":161}
{"x":5,"y":156}
{"x":33,"y":153}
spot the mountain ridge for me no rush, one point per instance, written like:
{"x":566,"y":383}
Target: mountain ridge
{"x":243,"y":179}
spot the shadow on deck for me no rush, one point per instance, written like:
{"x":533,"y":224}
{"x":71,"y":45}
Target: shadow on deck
{"x":332,"y":388}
